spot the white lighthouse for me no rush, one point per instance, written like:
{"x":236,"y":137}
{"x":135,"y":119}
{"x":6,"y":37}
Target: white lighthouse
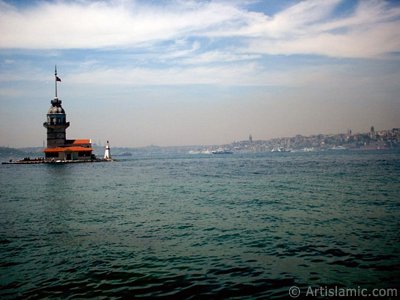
{"x":107,"y":153}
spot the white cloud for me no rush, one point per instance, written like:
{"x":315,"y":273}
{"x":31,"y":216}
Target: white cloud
{"x":180,"y":50}
{"x":247,"y":73}
{"x":106,"y":24}
{"x":364,"y":43}
{"x":218,"y":75}
{"x":307,"y":27}
{"x":218,"y":56}
{"x":238,"y":72}
{"x":297,"y":18}
{"x":373,"y":30}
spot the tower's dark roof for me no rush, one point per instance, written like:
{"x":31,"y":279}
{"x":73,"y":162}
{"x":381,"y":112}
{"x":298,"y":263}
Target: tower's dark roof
{"x":56,"y":107}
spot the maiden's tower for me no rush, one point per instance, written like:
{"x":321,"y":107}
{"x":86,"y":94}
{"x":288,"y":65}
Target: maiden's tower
{"x":59,"y":148}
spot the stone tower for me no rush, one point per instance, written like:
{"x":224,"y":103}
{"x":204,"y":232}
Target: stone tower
{"x":56,"y":124}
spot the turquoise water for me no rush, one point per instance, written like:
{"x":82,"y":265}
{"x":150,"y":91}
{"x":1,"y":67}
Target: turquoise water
{"x":187,"y":226}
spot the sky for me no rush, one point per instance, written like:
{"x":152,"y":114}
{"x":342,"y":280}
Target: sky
{"x":179,"y":72}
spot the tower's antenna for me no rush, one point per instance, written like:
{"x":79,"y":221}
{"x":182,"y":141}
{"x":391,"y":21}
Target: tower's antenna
{"x":56,"y":78}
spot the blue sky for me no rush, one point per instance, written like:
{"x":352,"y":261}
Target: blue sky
{"x":198,"y":72}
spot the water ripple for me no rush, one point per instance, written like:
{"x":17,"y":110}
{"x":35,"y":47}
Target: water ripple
{"x":241,"y":227}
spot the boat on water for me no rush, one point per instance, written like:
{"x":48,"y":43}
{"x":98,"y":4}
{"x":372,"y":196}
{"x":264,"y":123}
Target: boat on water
{"x":280,"y":149}
{"x":221,"y":151}
{"x":338,"y":148}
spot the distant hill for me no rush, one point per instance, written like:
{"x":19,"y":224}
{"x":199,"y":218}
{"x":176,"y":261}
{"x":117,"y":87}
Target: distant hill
{"x":33,"y":150}
{"x":6,"y":151}
{"x":19,"y":153}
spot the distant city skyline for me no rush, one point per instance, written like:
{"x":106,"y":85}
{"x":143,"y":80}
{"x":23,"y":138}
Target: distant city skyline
{"x":176,"y":73}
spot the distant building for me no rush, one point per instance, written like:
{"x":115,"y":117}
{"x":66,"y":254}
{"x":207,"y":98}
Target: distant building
{"x":372,"y":133}
{"x":58,"y":147}
{"x":250,"y":138}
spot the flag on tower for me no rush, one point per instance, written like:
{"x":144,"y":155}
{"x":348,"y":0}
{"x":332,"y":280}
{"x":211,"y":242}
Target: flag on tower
{"x":55,"y":73}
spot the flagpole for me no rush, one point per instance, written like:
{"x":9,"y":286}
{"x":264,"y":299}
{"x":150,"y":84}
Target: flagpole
{"x":55,"y":78}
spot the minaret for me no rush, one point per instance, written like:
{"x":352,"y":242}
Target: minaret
{"x":107,"y":153}
{"x":56,"y":124}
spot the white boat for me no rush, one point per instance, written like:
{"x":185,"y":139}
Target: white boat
{"x":221,"y":151}
{"x":338,"y":148}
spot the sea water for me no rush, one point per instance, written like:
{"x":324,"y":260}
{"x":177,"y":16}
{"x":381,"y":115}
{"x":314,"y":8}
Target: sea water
{"x":209,"y":226}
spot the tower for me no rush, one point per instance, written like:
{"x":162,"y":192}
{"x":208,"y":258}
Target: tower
{"x":56,"y":124}
{"x":107,"y":154}
{"x":58,"y":147}
{"x":372,"y":134}
{"x":349,"y":132}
